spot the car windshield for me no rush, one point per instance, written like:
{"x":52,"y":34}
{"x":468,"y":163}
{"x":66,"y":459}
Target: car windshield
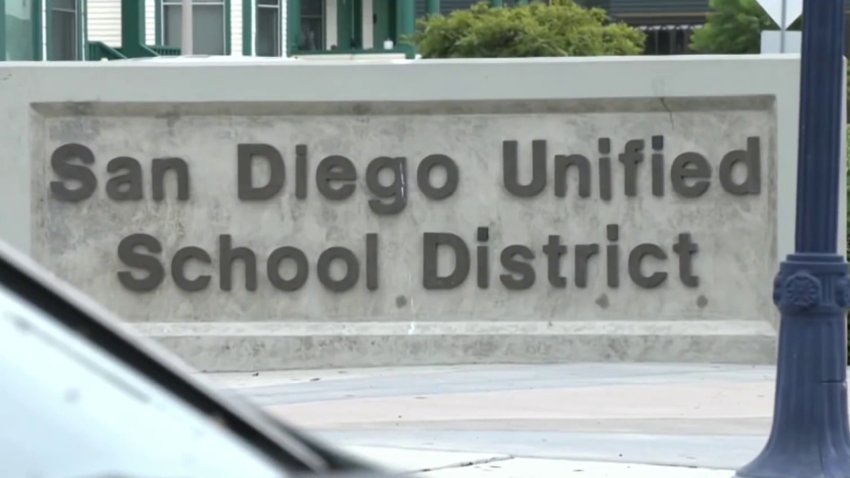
{"x":77,"y":412}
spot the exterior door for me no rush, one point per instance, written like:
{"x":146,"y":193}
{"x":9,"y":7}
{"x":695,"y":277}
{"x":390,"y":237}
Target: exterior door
{"x":349,"y":21}
{"x":383,"y":22}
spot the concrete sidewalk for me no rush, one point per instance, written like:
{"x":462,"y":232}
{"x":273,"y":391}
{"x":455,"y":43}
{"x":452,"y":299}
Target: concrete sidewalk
{"x":530,"y":420}
{"x":433,"y":464}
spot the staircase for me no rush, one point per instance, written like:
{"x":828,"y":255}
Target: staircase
{"x":99,"y":51}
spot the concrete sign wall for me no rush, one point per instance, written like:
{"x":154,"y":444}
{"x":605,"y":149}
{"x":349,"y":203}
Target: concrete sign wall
{"x":276,"y":216}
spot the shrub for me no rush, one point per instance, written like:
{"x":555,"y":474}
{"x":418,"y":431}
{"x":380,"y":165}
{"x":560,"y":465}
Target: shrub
{"x":734,"y":26}
{"x":536,"y":30}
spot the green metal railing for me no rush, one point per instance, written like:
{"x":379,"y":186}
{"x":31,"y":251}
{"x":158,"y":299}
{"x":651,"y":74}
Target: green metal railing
{"x":407,"y":51}
{"x":97,"y":51}
{"x":165,"y":50}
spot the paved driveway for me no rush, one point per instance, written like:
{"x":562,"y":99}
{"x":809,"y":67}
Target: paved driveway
{"x":505,"y":420}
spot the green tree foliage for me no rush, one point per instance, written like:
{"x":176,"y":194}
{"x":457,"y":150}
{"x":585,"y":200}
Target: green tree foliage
{"x":536,"y":30}
{"x":734,"y":26}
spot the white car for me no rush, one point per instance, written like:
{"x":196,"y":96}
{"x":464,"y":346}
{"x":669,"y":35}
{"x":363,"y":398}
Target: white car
{"x":83,"y":399}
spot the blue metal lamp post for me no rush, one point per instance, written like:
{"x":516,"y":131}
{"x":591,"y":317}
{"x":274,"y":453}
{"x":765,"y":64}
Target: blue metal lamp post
{"x":810,"y":436}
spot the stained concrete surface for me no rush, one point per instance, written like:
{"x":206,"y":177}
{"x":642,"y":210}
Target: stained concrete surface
{"x":79,"y":239}
{"x":412,"y":109}
{"x":684,"y":416}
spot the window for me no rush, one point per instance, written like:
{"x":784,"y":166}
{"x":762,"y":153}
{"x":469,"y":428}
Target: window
{"x":668,"y":39}
{"x":64,"y":34}
{"x":19,"y":32}
{"x":208,"y":25}
{"x":268,"y":28}
{"x":312,"y":25}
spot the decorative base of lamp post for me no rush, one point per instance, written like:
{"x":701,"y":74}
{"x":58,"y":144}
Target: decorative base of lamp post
{"x":810,"y":435}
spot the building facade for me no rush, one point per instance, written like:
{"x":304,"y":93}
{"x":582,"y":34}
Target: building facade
{"x":42,"y":29}
{"x":97,"y":29}
{"x":668,"y":24}
{"x":111,"y":29}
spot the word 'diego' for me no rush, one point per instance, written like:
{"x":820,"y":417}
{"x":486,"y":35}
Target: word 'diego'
{"x":336,"y":177}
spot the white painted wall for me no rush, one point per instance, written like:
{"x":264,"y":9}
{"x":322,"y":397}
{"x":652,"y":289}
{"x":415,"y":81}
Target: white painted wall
{"x":330,"y":24}
{"x":236,"y":27}
{"x":43,"y":31}
{"x":368,"y":32}
{"x":104,"y":21}
{"x":284,"y":14}
{"x":254,"y":27}
{"x":150,"y":22}
{"x":84,"y":34}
